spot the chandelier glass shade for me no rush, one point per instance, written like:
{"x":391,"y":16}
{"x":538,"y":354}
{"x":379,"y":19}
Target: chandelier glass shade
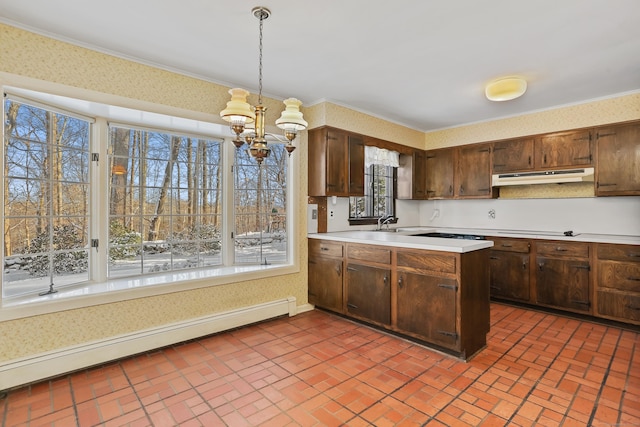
{"x":240,"y":113}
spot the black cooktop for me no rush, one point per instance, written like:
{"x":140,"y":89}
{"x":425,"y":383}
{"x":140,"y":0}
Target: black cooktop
{"x":451,"y":236}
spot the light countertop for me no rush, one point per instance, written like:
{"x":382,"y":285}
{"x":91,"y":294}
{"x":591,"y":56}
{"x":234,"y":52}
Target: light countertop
{"x":402,"y":237}
{"x":405,"y":240}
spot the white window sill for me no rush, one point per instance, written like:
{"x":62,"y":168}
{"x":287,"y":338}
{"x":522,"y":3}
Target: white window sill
{"x":137,"y":287}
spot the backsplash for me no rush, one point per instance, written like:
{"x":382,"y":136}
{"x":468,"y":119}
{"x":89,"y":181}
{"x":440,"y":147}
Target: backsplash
{"x":600,"y":215}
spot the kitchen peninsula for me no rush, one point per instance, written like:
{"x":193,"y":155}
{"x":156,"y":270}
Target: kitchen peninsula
{"x":433,"y":290}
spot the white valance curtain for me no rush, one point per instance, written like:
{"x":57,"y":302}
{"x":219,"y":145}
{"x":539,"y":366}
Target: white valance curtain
{"x":380,"y":156}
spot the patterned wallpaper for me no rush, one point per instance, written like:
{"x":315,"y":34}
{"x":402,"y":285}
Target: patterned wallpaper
{"x":36,"y":57}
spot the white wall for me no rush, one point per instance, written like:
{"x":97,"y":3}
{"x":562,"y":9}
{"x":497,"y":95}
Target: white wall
{"x":407,"y":211}
{"x":600,"y":215}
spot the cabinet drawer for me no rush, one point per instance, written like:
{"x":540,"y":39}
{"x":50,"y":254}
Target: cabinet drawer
{"x":421,"y":262}
{"x":576,"y":250}
{"x":511,"y":245}
{"x":325,"y":248}
{"x":621,"y":305}
{"x":623,"y":276}
{"x":377,"y":254}
{"x":628,"y":253}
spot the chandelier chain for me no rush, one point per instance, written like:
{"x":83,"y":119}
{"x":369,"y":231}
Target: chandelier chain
{"x":260,"y":62}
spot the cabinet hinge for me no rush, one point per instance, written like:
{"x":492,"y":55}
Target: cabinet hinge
{"x":95,"y":157}
{"x":95,"y":243}
{"x":444,"y":285}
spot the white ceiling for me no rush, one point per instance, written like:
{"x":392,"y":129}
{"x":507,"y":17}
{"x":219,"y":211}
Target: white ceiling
{"x":421,"y":63}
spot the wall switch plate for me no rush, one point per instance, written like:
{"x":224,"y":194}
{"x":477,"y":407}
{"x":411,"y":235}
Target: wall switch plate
{"x":314,"y":214}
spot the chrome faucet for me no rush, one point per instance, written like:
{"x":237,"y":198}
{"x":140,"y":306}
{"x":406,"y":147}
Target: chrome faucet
{"x":384,"y":220}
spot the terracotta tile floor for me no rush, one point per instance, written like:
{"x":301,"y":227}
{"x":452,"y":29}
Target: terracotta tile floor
{"x":316,"y":369}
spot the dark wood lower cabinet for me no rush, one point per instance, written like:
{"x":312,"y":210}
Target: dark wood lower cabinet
{"x":563,"y":284}
{"x":325,"y":283}
{"x":510,"y":275}
{"x":427,"y":307}
{"x":369,"y":293}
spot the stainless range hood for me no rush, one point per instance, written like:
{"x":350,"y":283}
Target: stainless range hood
{"x":542,"y":177}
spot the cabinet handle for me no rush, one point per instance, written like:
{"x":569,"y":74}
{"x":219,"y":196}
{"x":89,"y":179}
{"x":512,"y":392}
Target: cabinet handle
{"x":449,"y":334}
{"x":587,"y":303}
{"x":633,"y":255}
{"x":352,"y":269}
{"x":384,"y":279}
{"x":524,"y":266}
{"x":506,"y":245}
{"x":583,"y":267}
{"x":494,"y":257}
{"x":636,"y":279}
{"x":544,"y":159}
{"x":444,"y":285}
{"x":583,"y":158}
{"x":497,"y":288}
{"x":541,"y":266}
{"x":339,"y":269}
{"x":451,"y":189}
{"x":461,"y":189}
{"x":352,"y":306}
{"x":606,"y":185}
{"x":484,"y":150}
{"x":560,"y":249}
{"x":322,"y":248}
{"x":400,"y":284}
{"x":311,"y":261}
{"x":529,"y":160}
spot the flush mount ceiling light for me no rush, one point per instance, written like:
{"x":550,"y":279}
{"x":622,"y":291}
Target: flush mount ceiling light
{"x":505,"y":89}
{"x":239,"y":113}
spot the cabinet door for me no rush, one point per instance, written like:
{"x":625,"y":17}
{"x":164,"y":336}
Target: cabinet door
{"x":439,"y":173}
{"x":356,"y":166}
{"x":513,"y":156}
{"x":618,"y":166}
{"x":474,"y":171}
{"x":509,"y":275}
{"x":336,"y":158}
{"x":369,"y":293}
{"x":564,"y":149}
{"x":412,"y":177}
{"x":325,"y":283}
{"x":427,"y":308}
{"x":563,"y":283}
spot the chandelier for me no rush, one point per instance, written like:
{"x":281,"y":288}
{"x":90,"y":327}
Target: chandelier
{"x":239,"y":113}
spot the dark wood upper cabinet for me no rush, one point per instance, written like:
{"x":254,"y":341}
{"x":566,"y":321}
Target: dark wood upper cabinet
{"x":412,"y":176}
{"x":618,"y":161}
{"x":564,"y":149}
{"x":440,"y":167}
{"x":355,"y":145}
{"x":514,"y":155}
{"x":473,"y":173}
{"x":336,"y":163}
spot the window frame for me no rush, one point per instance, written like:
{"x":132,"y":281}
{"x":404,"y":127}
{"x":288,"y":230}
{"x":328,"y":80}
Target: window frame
{"x":367,"y":220}
{"x":100,"y":290}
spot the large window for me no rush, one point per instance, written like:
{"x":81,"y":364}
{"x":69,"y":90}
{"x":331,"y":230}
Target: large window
{"x":46,"y":199}
{"x":260,"y":203}
{"x":165,"y":208}
{"x":87,"y":202}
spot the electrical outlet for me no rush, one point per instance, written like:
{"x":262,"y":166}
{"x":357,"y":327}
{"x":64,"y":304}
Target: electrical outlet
{"x":331,"y":215}
{"x":492,"y":214}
